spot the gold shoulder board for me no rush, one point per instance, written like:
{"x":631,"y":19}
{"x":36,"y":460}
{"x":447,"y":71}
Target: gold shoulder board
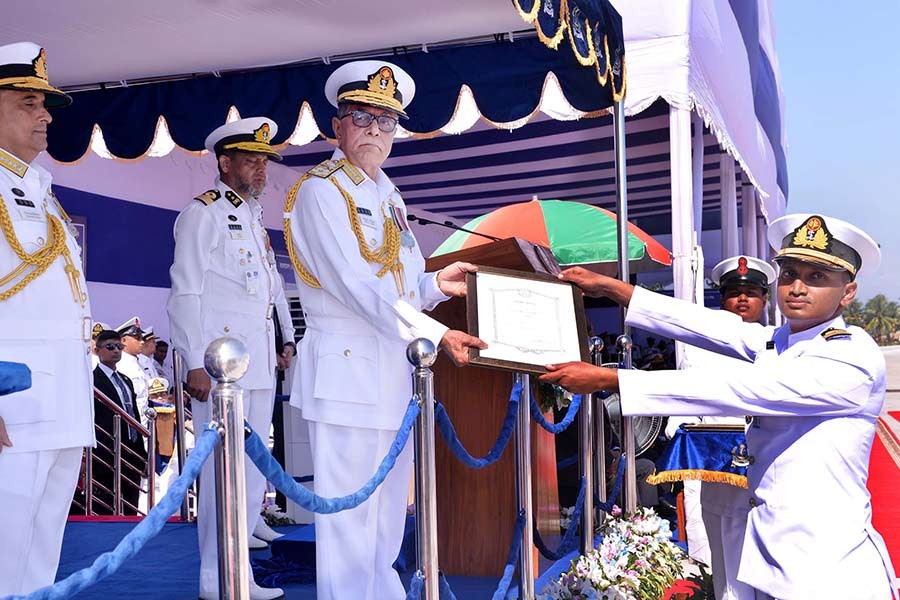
{"x":833,"y":333}
{"x":327,"y":168}
{"x":208,"y":197}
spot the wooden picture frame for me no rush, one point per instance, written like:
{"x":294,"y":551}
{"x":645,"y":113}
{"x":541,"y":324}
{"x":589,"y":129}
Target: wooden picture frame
{"x":519,"y":294}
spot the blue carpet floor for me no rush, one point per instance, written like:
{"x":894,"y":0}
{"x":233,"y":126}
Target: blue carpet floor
{"x":168,"y":566}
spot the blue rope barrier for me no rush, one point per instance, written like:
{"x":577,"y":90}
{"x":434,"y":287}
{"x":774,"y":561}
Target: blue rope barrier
{"x":445,"y":426}
{"x":511,"y":560}
{"x":271,"y":470}
{"x":567,"y":462}
{"x":557,"y":428}
{"x":415,"y":586}
{"x":444,"y":591}
{"x":607,"y":506}
{"x":567,"y":544}
{"x":109,"y":562}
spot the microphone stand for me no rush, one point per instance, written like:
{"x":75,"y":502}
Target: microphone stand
{"x":451,"y":225}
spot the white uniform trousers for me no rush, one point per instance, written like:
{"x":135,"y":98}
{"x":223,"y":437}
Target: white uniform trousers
{"x":36,"y":490}
{"x":726,"y":540}
{"x":698,"y":544}
{"x":258,"y":405}
{"x":356,"y":549}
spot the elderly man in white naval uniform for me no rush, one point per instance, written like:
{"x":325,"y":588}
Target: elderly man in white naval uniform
{"x":816,"y":389}
{"x":225,"y":283}
{"x":363,"y":287}
{"x":716,"y":513}
{"x":45,"y":323}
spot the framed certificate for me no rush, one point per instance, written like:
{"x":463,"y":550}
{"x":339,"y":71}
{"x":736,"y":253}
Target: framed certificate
{"x":527,"y":319}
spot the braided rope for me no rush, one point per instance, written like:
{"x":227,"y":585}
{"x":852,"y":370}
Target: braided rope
{"x":39,"y":260}
{"x":387,"y":255}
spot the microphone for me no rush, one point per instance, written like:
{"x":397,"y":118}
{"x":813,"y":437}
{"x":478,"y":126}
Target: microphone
{"x":451,"y":225}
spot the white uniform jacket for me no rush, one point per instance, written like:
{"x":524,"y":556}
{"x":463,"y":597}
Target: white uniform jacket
{"x":225,"y":283}
{"x":351,"y":365}
{"x":42,"y":325}
{"x":816,"y":403}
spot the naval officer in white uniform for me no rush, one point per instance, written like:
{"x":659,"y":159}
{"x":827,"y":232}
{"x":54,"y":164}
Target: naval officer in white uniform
{"x":716,"y":513}
{"x":362,"y":288}
{"x":225,"y":283}
{"x":816,"y":389}
{"x":45,"y":323}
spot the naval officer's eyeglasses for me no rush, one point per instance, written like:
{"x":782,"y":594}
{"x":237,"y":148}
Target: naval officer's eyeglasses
{"x":361,"y":118}
{"x":111,"y":346}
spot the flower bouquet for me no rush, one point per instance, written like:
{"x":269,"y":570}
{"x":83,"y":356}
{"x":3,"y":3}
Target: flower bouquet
{"x":636,"y":560}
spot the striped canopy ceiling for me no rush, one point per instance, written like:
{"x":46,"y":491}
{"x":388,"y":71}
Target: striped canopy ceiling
{"x":466,"y":175}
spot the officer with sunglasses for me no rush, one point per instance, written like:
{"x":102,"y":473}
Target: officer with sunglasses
{"x":363,"y":287}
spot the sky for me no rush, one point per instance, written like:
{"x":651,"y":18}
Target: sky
{"x":840,"y":74}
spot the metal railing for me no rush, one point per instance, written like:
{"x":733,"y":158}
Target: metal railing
{"x":128,"y":467}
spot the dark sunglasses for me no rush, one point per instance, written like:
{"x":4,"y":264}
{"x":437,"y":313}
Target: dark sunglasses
{"x":114,"y":346}
{"x":361,"y":118}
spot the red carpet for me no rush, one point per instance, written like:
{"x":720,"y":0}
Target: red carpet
{"x":884,"y":485}
{"x":895,"y":414}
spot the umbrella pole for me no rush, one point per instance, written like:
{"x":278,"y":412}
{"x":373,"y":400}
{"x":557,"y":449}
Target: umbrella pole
{"x":627,"y":425}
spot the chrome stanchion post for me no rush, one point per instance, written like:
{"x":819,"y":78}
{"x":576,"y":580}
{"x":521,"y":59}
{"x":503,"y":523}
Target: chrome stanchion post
{"x":596,"y":348}
{"x":150,"y":413}
{"x":226,"y":360}
{"x":623,"y":344}
{"x":422,"y":354}
{"x":177,"y":370}
{"x":586,"y":435}
{"x":523,"y":488}
{"x":89,"y":482}
{"x":117,"y":465}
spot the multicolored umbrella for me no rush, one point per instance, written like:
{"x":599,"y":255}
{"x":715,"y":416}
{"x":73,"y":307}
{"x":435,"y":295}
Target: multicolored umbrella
{"x":576,"y":233}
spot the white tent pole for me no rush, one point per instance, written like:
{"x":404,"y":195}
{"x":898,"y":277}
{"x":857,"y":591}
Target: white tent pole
{"x":682,"y":208}
{"x":728,"y":205}
{"x":697,"y":147}
{"x":749,"y":239}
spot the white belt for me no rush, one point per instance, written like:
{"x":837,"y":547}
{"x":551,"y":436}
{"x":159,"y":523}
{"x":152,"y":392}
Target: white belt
{"x":47,"y":329}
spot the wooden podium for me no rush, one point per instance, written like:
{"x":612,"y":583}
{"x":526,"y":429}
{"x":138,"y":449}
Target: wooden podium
{"x":477,"y":508}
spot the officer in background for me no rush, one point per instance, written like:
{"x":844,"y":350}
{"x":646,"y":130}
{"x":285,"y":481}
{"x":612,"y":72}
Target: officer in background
{"x":816,"y":389}
{"x":45,"y":323}
{"x":130,"y":365}
{"x":145,"y":358}
{"x":362,"y":287}
{"x":225,"y":283}
{"x":716,"y":513}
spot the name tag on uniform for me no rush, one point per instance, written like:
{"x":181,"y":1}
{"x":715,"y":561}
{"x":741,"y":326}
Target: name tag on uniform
{"x":368,"y":222}
{"x":30,"y":214}
{"x":251,"y":279}
{"x":236,"y":231}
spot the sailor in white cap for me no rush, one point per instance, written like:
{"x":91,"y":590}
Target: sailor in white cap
{"x":815,"y":391}
{"x":225,"y":283}
{"x":133,"y":340}
{"x":45,"y":323}
{"x":145,"y":358}
{"x":363,"y":288}
{"x":716,"y":512}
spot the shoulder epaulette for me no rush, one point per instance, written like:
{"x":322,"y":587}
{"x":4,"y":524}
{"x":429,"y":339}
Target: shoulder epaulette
{"x":208,"y":197}
{"x":233,"y":198}
{"x":834,"y":333}
{"x":327,"y":168}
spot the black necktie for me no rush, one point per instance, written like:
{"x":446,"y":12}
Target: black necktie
{"x":126,"y":402}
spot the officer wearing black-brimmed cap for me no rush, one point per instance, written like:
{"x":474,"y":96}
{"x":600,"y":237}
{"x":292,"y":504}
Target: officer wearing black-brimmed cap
{"x":45,"y":322}
{"x":225,"y":282}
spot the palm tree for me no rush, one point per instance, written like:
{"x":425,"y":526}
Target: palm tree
{"x":881,"y":317}
{"x":854,"y":315}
